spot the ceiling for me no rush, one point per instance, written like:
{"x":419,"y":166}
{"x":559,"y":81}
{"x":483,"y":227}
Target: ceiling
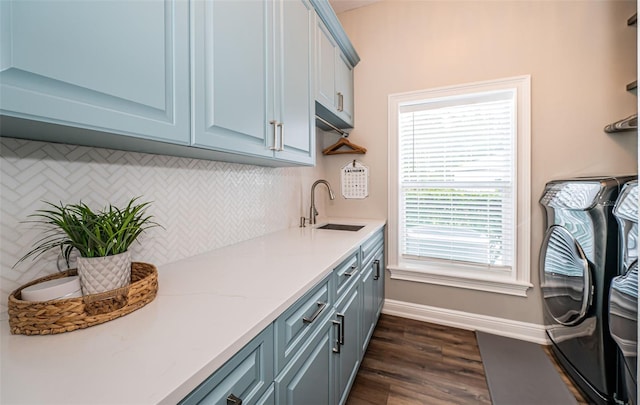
{"x":340,"y":6}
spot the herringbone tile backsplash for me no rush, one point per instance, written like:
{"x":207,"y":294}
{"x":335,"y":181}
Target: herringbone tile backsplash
{"x":201,"y":204}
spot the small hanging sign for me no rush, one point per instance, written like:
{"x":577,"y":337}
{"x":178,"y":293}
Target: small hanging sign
{"x":355,"y":180}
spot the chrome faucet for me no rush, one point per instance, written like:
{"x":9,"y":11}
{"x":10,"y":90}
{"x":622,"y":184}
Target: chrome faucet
{"x":313,"y":212}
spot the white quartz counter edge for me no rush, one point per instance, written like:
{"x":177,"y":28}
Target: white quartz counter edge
{"x":208,"y":307}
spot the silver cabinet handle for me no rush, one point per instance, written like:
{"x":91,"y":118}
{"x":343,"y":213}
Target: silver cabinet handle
{"x":341,"y":340}
{"x":274,"y":124}
{"x":340,"y":102}
{"x":233,"y":400}
{"x":336,"y":349}
{"x":281,"y":125}
{"x":377,"y":263}
{"x":353,"y":271}
{"x":321,"y":307}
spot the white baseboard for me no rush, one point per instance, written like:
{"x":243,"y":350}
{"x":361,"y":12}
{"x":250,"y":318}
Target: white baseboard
{"x":529,"y":332}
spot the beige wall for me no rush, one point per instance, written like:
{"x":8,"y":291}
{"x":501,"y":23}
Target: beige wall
{"x":580,"y":55}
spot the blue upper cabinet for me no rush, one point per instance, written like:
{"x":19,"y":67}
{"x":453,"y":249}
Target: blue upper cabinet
{"x":325,"y":67}
{"x":221,"y":80}
{"x":231,"y":77}
{"x":118,"y":66}
{"x":295,"y":107}
{"x":252,"y":78}
{"x":344,"y":88}
{"x":334,"y":80}
{"x":335,"y":59}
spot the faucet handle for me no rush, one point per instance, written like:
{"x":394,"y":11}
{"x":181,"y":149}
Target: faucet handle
{"x":303,"y":220}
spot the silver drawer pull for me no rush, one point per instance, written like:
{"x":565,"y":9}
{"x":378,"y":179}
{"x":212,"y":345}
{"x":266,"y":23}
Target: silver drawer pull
{"x":340,"y":101}
{"x":233,"y":400}
{"x":321,"y":307}
{"x":281,"y":125}
{"x":353,"y":271}
{"x":274,"y":124}
{"x":377,"y":263}
{"x":337,"y":348}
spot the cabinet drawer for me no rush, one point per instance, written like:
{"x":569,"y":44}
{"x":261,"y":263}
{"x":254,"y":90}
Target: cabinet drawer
{"x":247,"y":375}
{"x":297,"y":323}
{"x":371,"y":246}
{"x":345,"y":274}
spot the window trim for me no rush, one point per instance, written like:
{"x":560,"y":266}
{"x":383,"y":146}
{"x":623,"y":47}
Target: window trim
{"x":516,"y":282}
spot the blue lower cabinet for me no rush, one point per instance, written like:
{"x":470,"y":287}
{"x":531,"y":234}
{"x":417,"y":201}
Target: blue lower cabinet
{"x":369,"y":306}
{"x":378,"y":279}
{"x":370,"y":247}
{"x":243,"y":379}
{"x":345,"y":273}
{"x":310,"y":355}
{"x":308,"y":378}
{"x":373,"y":295}
{"x":269,"y":397}
{"x":349,"y":315}
{"x":372,"y":285}
{"x":298,"y":323}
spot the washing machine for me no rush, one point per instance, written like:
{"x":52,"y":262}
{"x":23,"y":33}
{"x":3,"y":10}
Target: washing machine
{"x":623,"y":294}
{"x":578,"y":260}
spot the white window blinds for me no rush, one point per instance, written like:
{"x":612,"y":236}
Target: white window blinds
{"x":456,"y":175}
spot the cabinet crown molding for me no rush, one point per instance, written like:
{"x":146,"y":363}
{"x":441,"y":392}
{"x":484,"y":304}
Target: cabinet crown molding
{"x":328,"y":16}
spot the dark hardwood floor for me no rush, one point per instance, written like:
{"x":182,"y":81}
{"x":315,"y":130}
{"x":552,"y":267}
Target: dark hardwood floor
{"x":411,"y":362}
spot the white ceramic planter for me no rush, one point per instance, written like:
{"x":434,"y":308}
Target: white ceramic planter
{"x":100,"y":274}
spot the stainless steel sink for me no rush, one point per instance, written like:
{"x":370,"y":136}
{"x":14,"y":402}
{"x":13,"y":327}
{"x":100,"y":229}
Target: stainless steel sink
{"x":341,"y":227}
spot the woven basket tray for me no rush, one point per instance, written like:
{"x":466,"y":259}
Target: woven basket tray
{"x":58,"y":316}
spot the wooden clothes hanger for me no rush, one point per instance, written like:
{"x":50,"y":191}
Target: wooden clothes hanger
{"x":335,"y":149}
{"x":342,"y":142}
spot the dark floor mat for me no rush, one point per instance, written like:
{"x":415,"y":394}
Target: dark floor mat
{"x":520,"y":373}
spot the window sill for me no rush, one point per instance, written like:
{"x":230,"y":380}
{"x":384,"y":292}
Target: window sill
{"x":493,"y":285}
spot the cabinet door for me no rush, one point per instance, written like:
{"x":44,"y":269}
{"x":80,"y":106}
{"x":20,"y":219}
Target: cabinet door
{"x":308,"y":378}
{"x":369,"y":301}
{"x":325,"y":66}
{"x":378,"y":277}
{"x":344,"y":88}
{"x":334,"y":80}
{"x":349,"y":314}
{"x":233,"y":75}
{"x":296,"y":130}
{"x":269,"y":397}
{"x":112,"y":66}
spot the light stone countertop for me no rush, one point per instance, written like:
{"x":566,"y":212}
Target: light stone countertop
{"x":208,"y":307}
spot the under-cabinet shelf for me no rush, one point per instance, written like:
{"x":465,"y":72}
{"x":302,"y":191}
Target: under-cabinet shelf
{"x":624,"y":125}
{"x":631,"y":122}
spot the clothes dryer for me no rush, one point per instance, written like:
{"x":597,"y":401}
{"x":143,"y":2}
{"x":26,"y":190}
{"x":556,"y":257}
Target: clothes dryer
{"x":578,"y":260}
{"x":623,"y":295}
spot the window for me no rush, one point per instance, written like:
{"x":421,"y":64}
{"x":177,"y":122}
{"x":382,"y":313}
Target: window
{"x":459,"y":177}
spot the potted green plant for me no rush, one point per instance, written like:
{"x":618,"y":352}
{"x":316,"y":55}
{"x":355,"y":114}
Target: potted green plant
{"x":102,"y":239}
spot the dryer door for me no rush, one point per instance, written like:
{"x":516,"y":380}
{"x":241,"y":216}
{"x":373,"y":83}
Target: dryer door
{"x":565,"y":277}
{"x":623,"y":324}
